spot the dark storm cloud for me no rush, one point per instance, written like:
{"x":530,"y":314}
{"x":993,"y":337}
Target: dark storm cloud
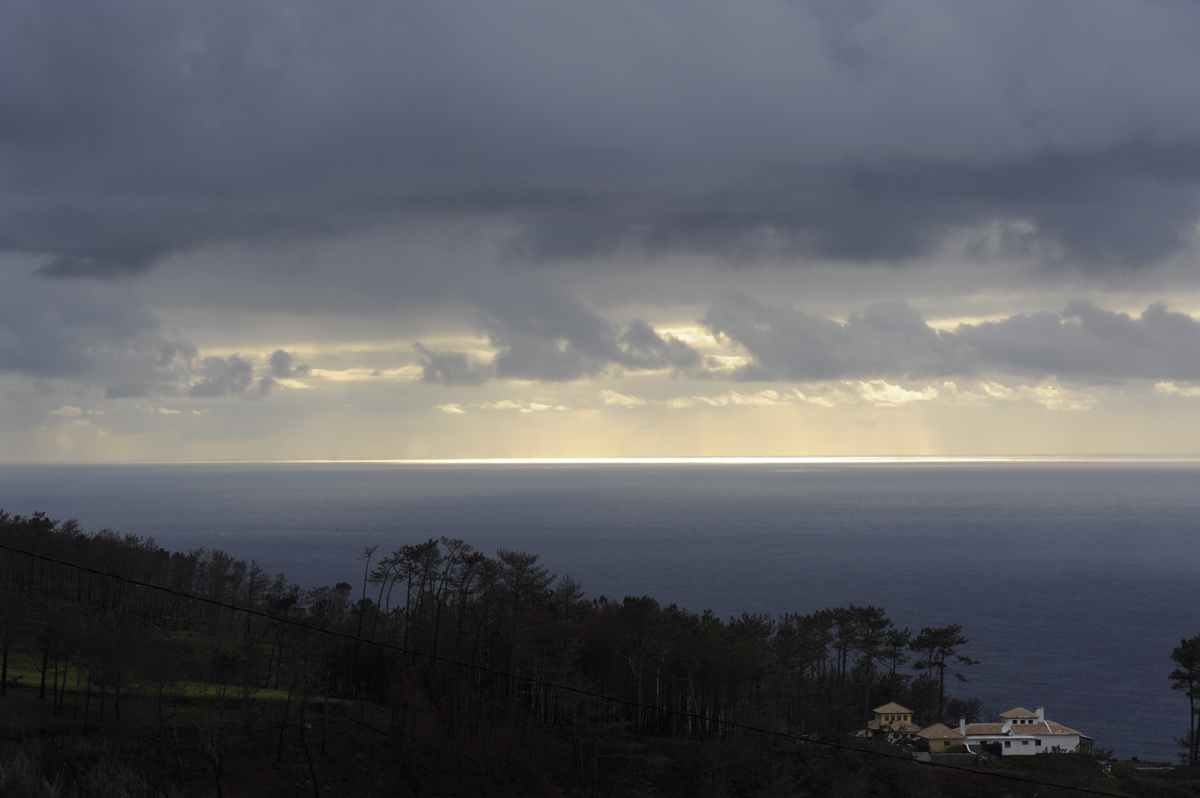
{"x":1129,"y":204}
{"x":279,"y":368}
{"x":1133,"y":202}
{"x":541,"y":333}
{"x":646,"y":348}
{"x":890,"y":339}
{"x":854,"y":129}
{"x":545,"y":334}
{"x":786,"y":343}
{"x":88,"y":334}
{"x":1090,"y":343}
{"x":281,"y":365}
{"x":94,"y":264}
{"x":452,"y":368}
{"x":220,"y":377}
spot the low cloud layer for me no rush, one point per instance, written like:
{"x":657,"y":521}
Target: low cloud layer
{"x":538,"y":332}
{"x":91,"y":336}
{"x":787,"y":343}
{"x":882,"y":394}
{"x":98,"y":336}
{"x":890,"y":339}
{"x":220,"y":377}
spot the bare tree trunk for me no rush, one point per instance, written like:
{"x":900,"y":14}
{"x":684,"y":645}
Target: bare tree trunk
{"x":4,"y":664}
{"x":1193,"y":743}
{"x":308,"y":755}
{"x":178,"y":759}
{"x":87,"y":706}
{"x":578,"y":751}
{"x":117,"y":696}
{"x":45,"y":660}
{"x":941,"y":692}
{"x":162,"y":732}
{"x":283,"y":725}
{"x":62,"y":688}
{"x":217,"y":778}
{"x":75,"y":702}
{"x":325,"y":719}
{"x":54,"y":688}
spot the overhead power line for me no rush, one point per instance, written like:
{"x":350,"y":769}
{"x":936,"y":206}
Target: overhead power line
{"x":553,"y":685}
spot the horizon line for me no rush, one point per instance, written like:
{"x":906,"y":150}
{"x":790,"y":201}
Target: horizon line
{"x":699,"y":460}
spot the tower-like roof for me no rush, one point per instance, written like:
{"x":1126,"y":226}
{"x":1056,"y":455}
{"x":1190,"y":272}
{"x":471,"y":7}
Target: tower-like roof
{"x":1019,"y":712}
{"x":891,"y":708}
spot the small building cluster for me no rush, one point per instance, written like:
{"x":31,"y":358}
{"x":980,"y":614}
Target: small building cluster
{"x":1020,"y":733}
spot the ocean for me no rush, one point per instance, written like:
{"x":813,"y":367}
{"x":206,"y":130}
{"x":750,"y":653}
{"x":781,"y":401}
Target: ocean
{"x":1073,"y":580}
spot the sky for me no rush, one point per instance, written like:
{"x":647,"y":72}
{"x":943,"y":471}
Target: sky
{"x":259,"y":230}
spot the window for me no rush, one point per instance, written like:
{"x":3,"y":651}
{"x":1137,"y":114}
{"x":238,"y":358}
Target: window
{"x":1037,"y":742}
{"x":1024,"y":742}
{"x":1008,"y":743}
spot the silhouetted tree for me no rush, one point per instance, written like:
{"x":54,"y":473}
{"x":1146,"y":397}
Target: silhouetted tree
{"x":871,"y":627}
{"x":939,"y":648}
{"x":1186,"y":677}
{"x":895,"y":642}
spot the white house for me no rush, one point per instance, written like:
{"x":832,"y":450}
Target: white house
{"x":1023,"y":733}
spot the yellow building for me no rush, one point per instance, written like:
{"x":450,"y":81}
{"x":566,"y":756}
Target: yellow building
{"x":942,"y":739}
{"x":890,"y":714}
{"x":891,"y":721}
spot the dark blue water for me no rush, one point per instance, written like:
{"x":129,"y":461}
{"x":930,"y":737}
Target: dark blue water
{"x":1073,"y":581}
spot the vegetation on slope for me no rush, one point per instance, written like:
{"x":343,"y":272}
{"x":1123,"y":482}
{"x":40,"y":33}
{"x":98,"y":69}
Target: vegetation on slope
{"x":443,"y":671}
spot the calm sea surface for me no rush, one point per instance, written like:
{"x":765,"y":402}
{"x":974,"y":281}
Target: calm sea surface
{"x":1073,"y":580}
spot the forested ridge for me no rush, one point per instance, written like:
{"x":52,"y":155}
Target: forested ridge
{"x":440,"y":670}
